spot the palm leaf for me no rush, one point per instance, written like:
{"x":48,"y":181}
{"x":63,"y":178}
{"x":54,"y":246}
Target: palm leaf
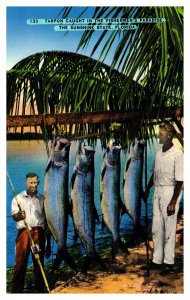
{"x":138,"y":50}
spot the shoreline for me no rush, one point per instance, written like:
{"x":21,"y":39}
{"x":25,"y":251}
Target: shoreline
{"x":124,"y":275}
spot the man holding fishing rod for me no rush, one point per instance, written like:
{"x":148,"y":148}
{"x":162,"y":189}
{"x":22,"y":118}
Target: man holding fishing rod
{"x":167,"y":179}
{"x":29,"y":215}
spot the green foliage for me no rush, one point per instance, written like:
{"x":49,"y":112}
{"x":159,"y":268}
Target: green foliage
{"x":62,"y":81}
{"x":146,"y":72}
{"x":152,"y":54}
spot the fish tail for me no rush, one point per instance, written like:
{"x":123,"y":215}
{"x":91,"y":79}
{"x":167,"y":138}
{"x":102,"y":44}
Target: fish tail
{"x":93,"y":259}
{"x":139,"y":234}
{"x":63,"y":256}
{"x":75,"y":236}
{"x":137,"y":228}
{"x":118,"y":247}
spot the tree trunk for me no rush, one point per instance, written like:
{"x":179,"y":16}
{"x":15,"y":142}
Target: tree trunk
{"x":92,"y":117}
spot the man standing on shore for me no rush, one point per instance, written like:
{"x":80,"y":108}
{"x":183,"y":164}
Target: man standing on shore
{"x":167,"y":179}
{"x":32,"y":205}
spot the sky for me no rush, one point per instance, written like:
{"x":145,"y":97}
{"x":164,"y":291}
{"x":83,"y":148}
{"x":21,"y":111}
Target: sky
{"x":24,"y":40}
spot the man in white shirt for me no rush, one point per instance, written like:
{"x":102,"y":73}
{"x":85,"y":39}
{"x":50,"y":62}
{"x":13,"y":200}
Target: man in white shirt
{"x":32,"y":210}
{"x":167,"y":179}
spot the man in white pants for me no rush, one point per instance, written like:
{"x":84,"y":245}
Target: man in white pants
{"x":167,"y":179}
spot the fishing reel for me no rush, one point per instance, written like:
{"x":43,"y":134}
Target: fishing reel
{"x":35,"y":249}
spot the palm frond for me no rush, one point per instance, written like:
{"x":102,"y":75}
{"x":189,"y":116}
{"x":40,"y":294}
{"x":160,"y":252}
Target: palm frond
{"x":138,"y":50}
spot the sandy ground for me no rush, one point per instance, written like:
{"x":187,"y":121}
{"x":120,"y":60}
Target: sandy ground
{"x":125,"y":276}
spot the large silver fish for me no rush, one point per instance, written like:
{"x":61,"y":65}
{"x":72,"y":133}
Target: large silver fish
{"x":132,"y":186}
{"x":82,"y":199}
{"x":56,"y":196}
{"x":111,"y":203}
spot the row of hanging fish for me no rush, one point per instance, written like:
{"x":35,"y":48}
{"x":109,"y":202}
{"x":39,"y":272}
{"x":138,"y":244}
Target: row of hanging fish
{"x":82,"y":205}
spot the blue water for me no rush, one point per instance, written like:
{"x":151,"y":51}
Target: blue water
{"x":30,"y":156}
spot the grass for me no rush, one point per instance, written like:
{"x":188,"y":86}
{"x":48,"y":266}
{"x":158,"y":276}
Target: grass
{"x":64,"y":273}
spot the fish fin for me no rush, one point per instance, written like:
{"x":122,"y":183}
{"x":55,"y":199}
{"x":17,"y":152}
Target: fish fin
{"x":142,"y":195}
{"x":96,"y":216}
{"x":127,"y":211}
{"x":70,"y":209}
{"x":123,"y":182}
{"x":75,"y":236}
{"x":127,"y":164}
{"x":50,"y":163}
{"x":103,"y":172}
{"x":100,"y":196}
{"x":73,"y":179}
{"x":129,"y":214}
{"x":122,"y":207}
{"x":48,"y":235}
{"x":103,"y":224}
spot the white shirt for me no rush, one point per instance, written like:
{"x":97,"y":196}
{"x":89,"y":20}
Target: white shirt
{"x":33,"y":207}
{"x":168,"y":167}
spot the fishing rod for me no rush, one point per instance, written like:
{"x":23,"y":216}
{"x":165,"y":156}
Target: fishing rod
{"x":34,"y":247}
{"x":146,"y":214}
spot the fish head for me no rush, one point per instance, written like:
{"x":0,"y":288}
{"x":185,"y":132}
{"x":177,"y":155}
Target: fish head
{"x":85,"y":160}
{"x":61,"y":147}
{"x":88,"y":151}
{"x":82,"y":163}
{"x":113,"y":152}
{"x":137,"y":148}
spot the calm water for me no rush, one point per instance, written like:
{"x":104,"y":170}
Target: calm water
{"x":27,"y":156}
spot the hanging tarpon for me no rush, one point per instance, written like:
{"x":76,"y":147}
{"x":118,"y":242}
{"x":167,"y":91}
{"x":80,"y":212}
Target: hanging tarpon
{"x":56,"y":197}
{"x":111,"y":203}
{"x":132,"y":185}
{"x":82,"y":198}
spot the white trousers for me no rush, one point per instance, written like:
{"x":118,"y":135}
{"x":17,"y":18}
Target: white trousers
{"x":164,"y":226}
